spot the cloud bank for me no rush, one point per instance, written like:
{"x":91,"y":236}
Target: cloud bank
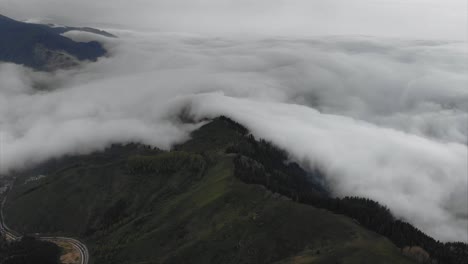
{"x":384,"y":118}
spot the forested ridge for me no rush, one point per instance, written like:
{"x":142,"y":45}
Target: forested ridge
{"x":261,"y":162}
{"x":220,"y":197}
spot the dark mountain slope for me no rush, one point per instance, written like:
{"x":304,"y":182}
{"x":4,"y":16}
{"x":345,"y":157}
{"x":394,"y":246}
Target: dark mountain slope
{"x":28,"y":251}
{"x":42,"y":47}
{"x":134,"y":204}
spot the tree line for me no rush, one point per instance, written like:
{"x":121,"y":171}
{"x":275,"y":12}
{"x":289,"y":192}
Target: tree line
{"x":260,"y":162}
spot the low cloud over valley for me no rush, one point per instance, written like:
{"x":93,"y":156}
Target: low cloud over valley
{"x":384,"y":117}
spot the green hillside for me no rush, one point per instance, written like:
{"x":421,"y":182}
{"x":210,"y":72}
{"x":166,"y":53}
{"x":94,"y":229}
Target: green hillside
{"x":134,"y":204}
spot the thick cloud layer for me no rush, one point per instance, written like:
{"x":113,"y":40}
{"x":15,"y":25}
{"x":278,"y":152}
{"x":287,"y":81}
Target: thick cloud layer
{"x":384,"y":118}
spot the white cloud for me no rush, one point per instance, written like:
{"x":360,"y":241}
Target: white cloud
{"x":421,"y":180}
{"x":385,"y":118}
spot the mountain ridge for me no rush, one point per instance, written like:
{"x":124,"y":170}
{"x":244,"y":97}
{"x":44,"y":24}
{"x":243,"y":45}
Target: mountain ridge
{"x":136,"y":203}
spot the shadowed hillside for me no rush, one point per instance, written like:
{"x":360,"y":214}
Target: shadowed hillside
{"x":42,"y":47}
{"x":28,"y":251}
{"x":221,"y":197}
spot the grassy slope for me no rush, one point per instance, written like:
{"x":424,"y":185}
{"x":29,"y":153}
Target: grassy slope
{"x":144,"y":206}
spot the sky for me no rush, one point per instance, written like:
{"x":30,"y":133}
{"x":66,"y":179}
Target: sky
{"x":371,"y":92}
{"x":423,"y":19}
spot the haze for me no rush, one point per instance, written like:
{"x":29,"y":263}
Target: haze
{"x":390,"y":18}
{"x":384,"y":115}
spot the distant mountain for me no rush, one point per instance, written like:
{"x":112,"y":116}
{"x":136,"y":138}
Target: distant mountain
{"x":221,"y":197}
{"x":62,"y":29}
{"x":41,"y":47}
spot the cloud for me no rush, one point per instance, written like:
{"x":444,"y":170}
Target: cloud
{"x":389,"y":18}
{"x":420,"y":180}
{"x":385,"y":118}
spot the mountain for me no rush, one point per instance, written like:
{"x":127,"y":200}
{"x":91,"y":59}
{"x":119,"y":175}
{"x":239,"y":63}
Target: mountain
{"x":42,"y":47}
{"x":221,"y":197}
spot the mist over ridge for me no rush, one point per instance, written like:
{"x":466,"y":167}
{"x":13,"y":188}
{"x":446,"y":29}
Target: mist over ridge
{"x":371,"y":92}
{"x":385,"y":118}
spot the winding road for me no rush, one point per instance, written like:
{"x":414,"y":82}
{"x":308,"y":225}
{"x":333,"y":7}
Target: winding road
{"x":13,"y":235}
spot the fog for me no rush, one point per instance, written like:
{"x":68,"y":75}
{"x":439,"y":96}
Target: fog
{"x":384,"y":117}
{"x":414,"y":19}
